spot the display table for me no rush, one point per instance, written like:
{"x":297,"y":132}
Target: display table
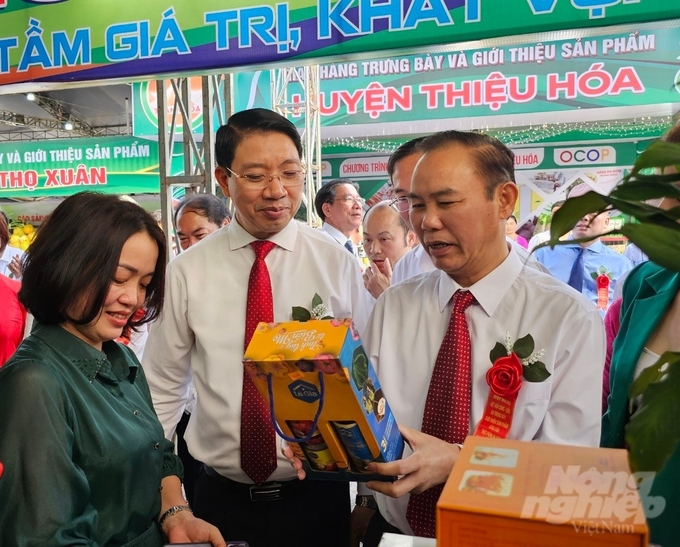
{"x":397,"y":540}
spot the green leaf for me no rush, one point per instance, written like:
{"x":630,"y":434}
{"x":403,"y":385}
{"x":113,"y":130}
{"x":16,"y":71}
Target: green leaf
{"x":653,"y":431}
{"x":593,"y":275}
{"x":524,"y":347}
{"x":647,"y":187}
{"x":497,"y":352}
{"x":572,"y":211}
{"x":316,"y":301}
{"x":535,"y":372}
{"x":301,"y":314}
{"x":659,"y":243}
{"x":658,"y":154}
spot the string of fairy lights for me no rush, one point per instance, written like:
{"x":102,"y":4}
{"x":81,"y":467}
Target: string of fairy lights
{"x":645,"y":127}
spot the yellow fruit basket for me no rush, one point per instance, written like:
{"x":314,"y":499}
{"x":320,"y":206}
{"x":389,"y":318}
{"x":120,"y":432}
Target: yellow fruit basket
{"x":22,"y":235}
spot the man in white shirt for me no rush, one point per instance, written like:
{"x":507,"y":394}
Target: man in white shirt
{"x":463,"y":190}
{"x":202,"y":331}
{"x":400,"y":167}
{"x":340,"y":207}
{"x":387,"y":238}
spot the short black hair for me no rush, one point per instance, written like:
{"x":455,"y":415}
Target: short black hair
{"x":493,"y":161}
{"x":205,"y":205}
{"x":246,"y":122}
{"x":326,"y":194}
{"x":75,"y":255}
{"x":402,"y":151}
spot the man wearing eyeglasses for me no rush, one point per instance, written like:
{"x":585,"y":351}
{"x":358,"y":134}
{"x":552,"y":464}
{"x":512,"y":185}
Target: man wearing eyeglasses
{"x":341,"y":209}
{"x":255,"y":269}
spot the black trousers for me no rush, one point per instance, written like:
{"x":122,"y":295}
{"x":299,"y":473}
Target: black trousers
{"x":191,"y":465}
{"x":376,"y":528}
{"x":308,"y":514}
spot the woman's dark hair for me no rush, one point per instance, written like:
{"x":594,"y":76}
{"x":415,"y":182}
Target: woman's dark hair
{"x":206,"y":205}
{"x":513,"y":217}
{"x":247,"y":122}
{"x":74,"y":257}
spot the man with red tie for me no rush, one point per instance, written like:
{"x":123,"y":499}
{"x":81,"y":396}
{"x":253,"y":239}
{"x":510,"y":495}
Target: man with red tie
{"x":443,"y":341}
{"x":255,"y":269}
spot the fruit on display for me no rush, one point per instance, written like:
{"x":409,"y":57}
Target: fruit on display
{"x":22,"y":236}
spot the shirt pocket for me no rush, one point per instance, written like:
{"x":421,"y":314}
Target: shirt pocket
{"x":535,"y":391}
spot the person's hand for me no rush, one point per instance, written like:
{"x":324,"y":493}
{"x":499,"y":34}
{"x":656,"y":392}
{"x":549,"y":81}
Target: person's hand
{"x":184,"y":527}
{"x":287,"y":452}
{"x":375,"y":282}
{"x":358,"y":524}
{"x":430,"y":464}
{"x":15,"y":267}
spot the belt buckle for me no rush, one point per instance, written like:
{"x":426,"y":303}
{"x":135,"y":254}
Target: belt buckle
{"x":268,"y":492}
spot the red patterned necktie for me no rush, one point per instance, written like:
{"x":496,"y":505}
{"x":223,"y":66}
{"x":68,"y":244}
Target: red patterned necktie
{"x":447,"y":407}
{"x":258,"y":440}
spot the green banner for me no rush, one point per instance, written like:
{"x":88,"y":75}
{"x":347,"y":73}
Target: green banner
{"x":81,"y":40}
{"x":117,"y":165}
{"x":631,"y":69}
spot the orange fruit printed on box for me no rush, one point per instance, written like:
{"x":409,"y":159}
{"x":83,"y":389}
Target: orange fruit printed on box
{"x":504,"y":493}
{"x":322,"y":363}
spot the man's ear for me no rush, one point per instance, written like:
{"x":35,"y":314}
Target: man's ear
{"x":411,"y":239}
{"x":326,"y":208}
{"x":506,"y":195}
{"x":222,"y":178}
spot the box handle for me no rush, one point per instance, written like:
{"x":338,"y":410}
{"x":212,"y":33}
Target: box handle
{"x":322,"y":392}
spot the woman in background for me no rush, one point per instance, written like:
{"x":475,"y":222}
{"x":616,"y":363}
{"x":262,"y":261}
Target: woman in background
{"x":85,"y":460}
{"x":511,"y":229}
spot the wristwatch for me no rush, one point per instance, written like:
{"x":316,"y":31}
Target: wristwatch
{"x":366,"y":501}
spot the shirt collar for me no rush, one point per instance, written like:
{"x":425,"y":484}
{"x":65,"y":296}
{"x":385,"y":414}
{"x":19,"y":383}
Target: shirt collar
{"x":239,"y":237}
{"x":336,"y":234}
{"x":596,"y":247}
{"x":111,"y":364}
{"x":488,"y":291}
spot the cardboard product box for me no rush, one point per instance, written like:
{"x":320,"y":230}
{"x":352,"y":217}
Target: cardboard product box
{"x":527,"y":494}
{"x":322,"y":362}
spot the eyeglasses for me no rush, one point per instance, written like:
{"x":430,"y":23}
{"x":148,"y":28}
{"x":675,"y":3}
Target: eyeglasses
{"x":358,"y":200}
{"x":401,"y":204}
{"x":289,"y":177}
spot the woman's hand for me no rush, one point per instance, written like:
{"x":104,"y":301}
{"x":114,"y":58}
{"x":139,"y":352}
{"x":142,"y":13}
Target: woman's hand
{"x":184,"y":527}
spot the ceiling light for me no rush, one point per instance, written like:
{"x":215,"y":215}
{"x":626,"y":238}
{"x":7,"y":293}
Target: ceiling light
{"x":30,"y":96}
{"x":68,"y":126}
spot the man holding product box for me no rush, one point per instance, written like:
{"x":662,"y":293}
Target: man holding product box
{"x":255,"y":269}
{"x":481,"y":345}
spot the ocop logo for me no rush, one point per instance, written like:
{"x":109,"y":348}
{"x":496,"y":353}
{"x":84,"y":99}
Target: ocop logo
{"x":595,"y":501}
{"x":304,"y":391}
{"x":580,"y":156}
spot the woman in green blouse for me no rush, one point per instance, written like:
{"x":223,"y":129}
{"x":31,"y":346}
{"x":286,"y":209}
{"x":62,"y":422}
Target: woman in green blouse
{"x":86,"y":461}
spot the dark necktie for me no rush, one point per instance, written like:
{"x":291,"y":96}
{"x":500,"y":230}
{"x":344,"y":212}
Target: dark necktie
{"x":349,"y":246}
{"x":447,"y":407}
{"x":576,"y":275}
{"x":258,"y":440}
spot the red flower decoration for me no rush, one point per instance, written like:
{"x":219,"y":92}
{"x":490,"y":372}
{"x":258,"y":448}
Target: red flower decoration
{"x":602,"y":281}
{"x":505,"y":376}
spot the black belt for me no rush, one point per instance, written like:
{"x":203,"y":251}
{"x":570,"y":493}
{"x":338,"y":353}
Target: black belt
{"x":269,"y":491}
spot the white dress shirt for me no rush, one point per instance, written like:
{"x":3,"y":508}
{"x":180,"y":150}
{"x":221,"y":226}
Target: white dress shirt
{"x":7,"y":255}
{"x":200,"y":333}
{"x":417,"y":261}
{"x":407,"y":326}
{"x":338,"y":236}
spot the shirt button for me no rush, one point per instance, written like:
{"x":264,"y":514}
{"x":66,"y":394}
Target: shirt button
{"x":157,"y":445}
{"x":136,"y":412}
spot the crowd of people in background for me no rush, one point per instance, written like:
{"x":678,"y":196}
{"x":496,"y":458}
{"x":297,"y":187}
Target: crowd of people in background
{"x":86,"y":430}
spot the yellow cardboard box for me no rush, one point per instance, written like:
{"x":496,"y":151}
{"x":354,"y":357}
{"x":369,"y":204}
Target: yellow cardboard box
{"x":318,"y":372}
{"x":527,"y":494}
